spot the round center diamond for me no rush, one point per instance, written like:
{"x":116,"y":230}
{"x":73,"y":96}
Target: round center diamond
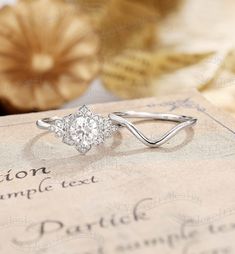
{"x":84,"y":130}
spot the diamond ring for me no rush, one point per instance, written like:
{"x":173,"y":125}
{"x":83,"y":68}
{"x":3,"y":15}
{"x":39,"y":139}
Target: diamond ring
{"x":84,"y":129}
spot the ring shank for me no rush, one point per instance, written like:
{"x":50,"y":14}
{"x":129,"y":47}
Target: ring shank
{"x":154,"y":116}
{"x":184,"y":122}
{"x":45,"y":123}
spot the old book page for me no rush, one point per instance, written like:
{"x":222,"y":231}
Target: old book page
{"x":121,"y":197}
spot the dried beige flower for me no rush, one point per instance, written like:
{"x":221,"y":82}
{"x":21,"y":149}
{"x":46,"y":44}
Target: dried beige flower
{"x":127,"y":24}
{"x":122,"y":24}
{"x":48,"y":54}
{"x":138,"y":73}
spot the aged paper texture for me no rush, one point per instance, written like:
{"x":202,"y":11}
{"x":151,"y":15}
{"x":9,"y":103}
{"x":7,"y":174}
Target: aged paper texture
{"x":121,"y":197}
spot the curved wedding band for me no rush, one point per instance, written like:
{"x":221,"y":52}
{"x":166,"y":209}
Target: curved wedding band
{"x":185,"y":121}
{"x":84,"y":129}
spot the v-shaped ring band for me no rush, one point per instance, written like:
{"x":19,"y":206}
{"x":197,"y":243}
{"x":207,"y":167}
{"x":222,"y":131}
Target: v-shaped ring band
{"x":184,"y":122}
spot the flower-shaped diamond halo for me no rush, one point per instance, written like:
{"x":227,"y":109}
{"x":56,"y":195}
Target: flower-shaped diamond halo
{"x":83,"y":129}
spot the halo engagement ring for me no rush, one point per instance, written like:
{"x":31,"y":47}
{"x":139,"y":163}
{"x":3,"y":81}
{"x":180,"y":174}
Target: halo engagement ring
{"x":84,"y":129}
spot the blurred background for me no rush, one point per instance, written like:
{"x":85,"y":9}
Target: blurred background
{"x":64,"y":53}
